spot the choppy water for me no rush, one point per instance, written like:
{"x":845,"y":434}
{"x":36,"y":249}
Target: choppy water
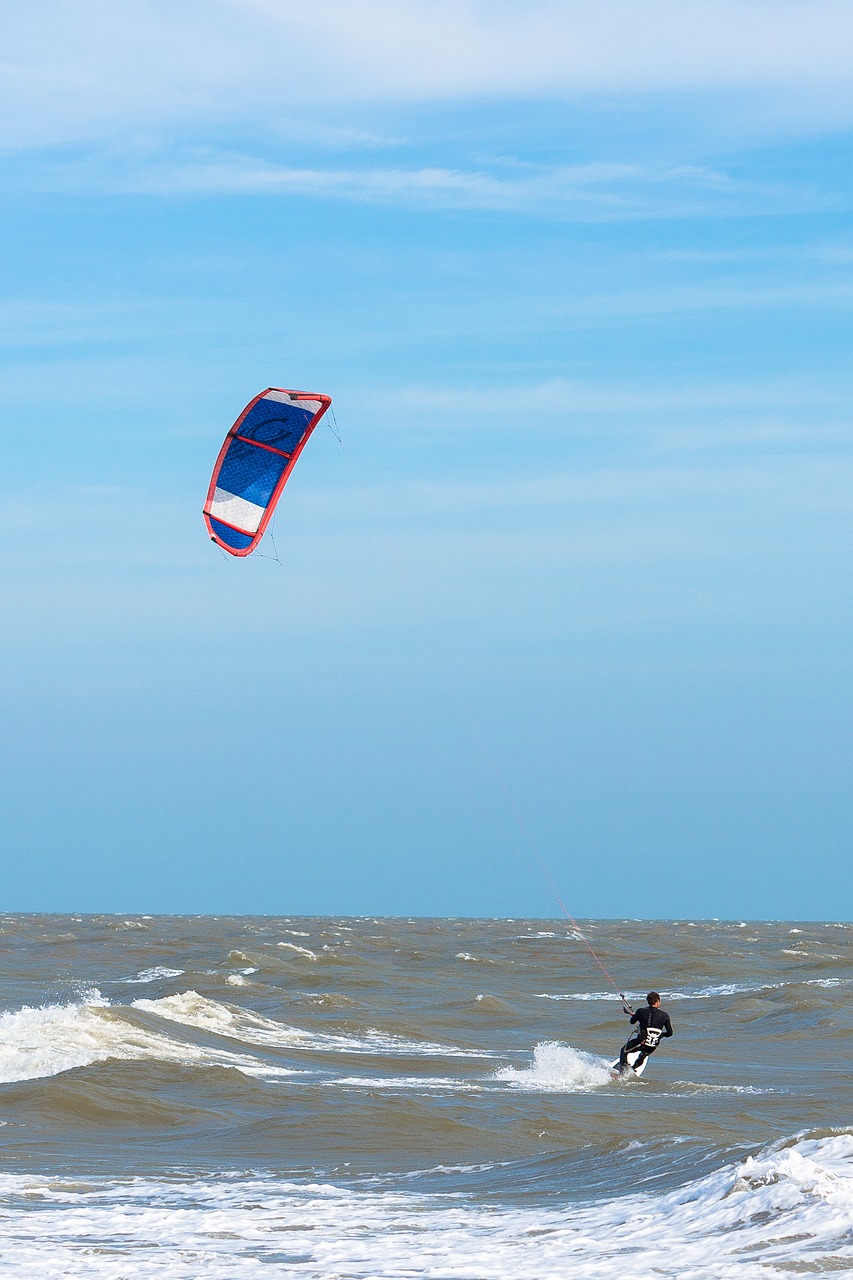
{"x":253,"y":1097}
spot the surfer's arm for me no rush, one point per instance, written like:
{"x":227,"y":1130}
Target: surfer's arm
{"x":667,"y":1031}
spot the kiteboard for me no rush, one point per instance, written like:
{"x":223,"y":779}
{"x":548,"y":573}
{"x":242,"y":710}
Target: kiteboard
{"x":632,"y":1058}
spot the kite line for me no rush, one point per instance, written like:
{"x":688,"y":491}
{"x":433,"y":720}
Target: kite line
{"x":250,"y":473}
{"x":474,"y":724}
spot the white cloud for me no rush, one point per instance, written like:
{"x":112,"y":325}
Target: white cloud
{"x":418,"y":49}
{"x":564,"y":396}
{"x":33,"y":324}
{"x":595,"y":192}
{"x":74,"y":70}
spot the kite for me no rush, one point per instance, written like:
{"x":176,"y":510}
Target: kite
{"x":254,"y":465}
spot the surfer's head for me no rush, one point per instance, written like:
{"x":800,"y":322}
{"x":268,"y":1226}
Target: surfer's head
{"x":653,"y":998}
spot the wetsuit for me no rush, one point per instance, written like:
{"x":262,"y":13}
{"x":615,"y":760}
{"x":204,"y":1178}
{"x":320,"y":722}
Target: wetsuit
{"x":653,"y":1025}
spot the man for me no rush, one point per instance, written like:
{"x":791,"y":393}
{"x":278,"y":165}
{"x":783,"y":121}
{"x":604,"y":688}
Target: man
{"x":653,"y":1025}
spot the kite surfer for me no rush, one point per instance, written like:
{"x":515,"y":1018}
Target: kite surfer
{"x":653,"y":1025}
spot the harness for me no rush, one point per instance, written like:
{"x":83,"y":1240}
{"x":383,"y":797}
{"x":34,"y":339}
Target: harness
{"x":648,"y":1039}
{"x":652,"y":1037}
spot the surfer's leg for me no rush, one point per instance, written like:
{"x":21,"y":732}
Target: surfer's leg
{"x":641,"y":1057}
{"x":625,"y":1050}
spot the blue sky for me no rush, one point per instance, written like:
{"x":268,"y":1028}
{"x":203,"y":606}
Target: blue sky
{"x":579,"y":279}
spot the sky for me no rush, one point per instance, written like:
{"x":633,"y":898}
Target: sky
{"x":574,"y":591}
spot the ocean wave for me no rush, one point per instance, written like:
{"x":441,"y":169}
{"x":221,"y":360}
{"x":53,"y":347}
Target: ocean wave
{"x":696,"y":1088}
{"x":711,"y":992}
{"x":154,"y":974}
{"x":700,"y":993}
{"x":300,"y":951}
{"x":328,"y":1000}
{"x":491,"y":1006}
{"x":580,"y":995}
{"x":425,"y":1084}
{"x":44,"y":1041}
{"x":39,"y":1042}
{"x":788,"y":1208}
{"x":194,"y":1010}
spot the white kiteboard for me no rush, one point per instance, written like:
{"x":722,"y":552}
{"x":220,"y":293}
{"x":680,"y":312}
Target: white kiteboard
{"x":632,"y":1058}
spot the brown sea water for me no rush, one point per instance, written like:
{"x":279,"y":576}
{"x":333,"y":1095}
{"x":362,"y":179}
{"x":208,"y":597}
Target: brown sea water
{"x":358,"y":1097}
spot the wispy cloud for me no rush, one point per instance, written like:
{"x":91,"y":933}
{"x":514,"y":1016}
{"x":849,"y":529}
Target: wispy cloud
{"x":593,"y":192}
{"x":600,"y":191}
{"x":29,"y":324}
{"x":82,"y":69}
{"x":561,"y":395}
{"x":441,"y":48}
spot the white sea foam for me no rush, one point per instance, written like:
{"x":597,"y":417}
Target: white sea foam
{"x":300,"y":951}
{"x":688,"y":1088}
{"x":712,"y":992}
{"x":581,"y":995}
{"x":700,"y":993}
{"x":558,"y":1068}
{"x":36,"y":1043}
{"x":788,"y":1209}
{"x":423,"y":1084}
{"x":155,"y":974}
{"x":194,"y":1010}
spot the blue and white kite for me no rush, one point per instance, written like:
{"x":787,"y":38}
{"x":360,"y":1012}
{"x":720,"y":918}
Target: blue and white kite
{"x":254,"y":464}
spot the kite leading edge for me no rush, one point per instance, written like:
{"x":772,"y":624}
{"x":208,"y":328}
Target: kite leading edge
{"x":254,"y":464}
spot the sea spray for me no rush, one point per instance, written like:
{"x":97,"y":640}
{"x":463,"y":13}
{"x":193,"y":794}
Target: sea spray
{"x":558,"y":1068}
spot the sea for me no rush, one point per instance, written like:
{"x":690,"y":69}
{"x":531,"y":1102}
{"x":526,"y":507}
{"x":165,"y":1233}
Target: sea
{"x":201,"y":1097}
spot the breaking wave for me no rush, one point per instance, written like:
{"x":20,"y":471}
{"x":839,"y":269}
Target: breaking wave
{"x":36,"y":1043}
{"x":710,"y":992}
{"x":787,"y":1209}
{"x":44,"y":1041}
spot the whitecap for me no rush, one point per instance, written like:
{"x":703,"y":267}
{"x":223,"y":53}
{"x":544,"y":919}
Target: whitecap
{"x":39,"y":1042}
{"x":194,"y":1010}
{"x":428,"y":1084}
{"x":154,"y":974}
{"x":300,"y":951}
{"x":789,"y":1208}
{"x":557,"y":1068}
{"x":711,"y":992}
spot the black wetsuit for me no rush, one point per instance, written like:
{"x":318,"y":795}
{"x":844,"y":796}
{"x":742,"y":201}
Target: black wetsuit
{"x":653,"y":1025}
